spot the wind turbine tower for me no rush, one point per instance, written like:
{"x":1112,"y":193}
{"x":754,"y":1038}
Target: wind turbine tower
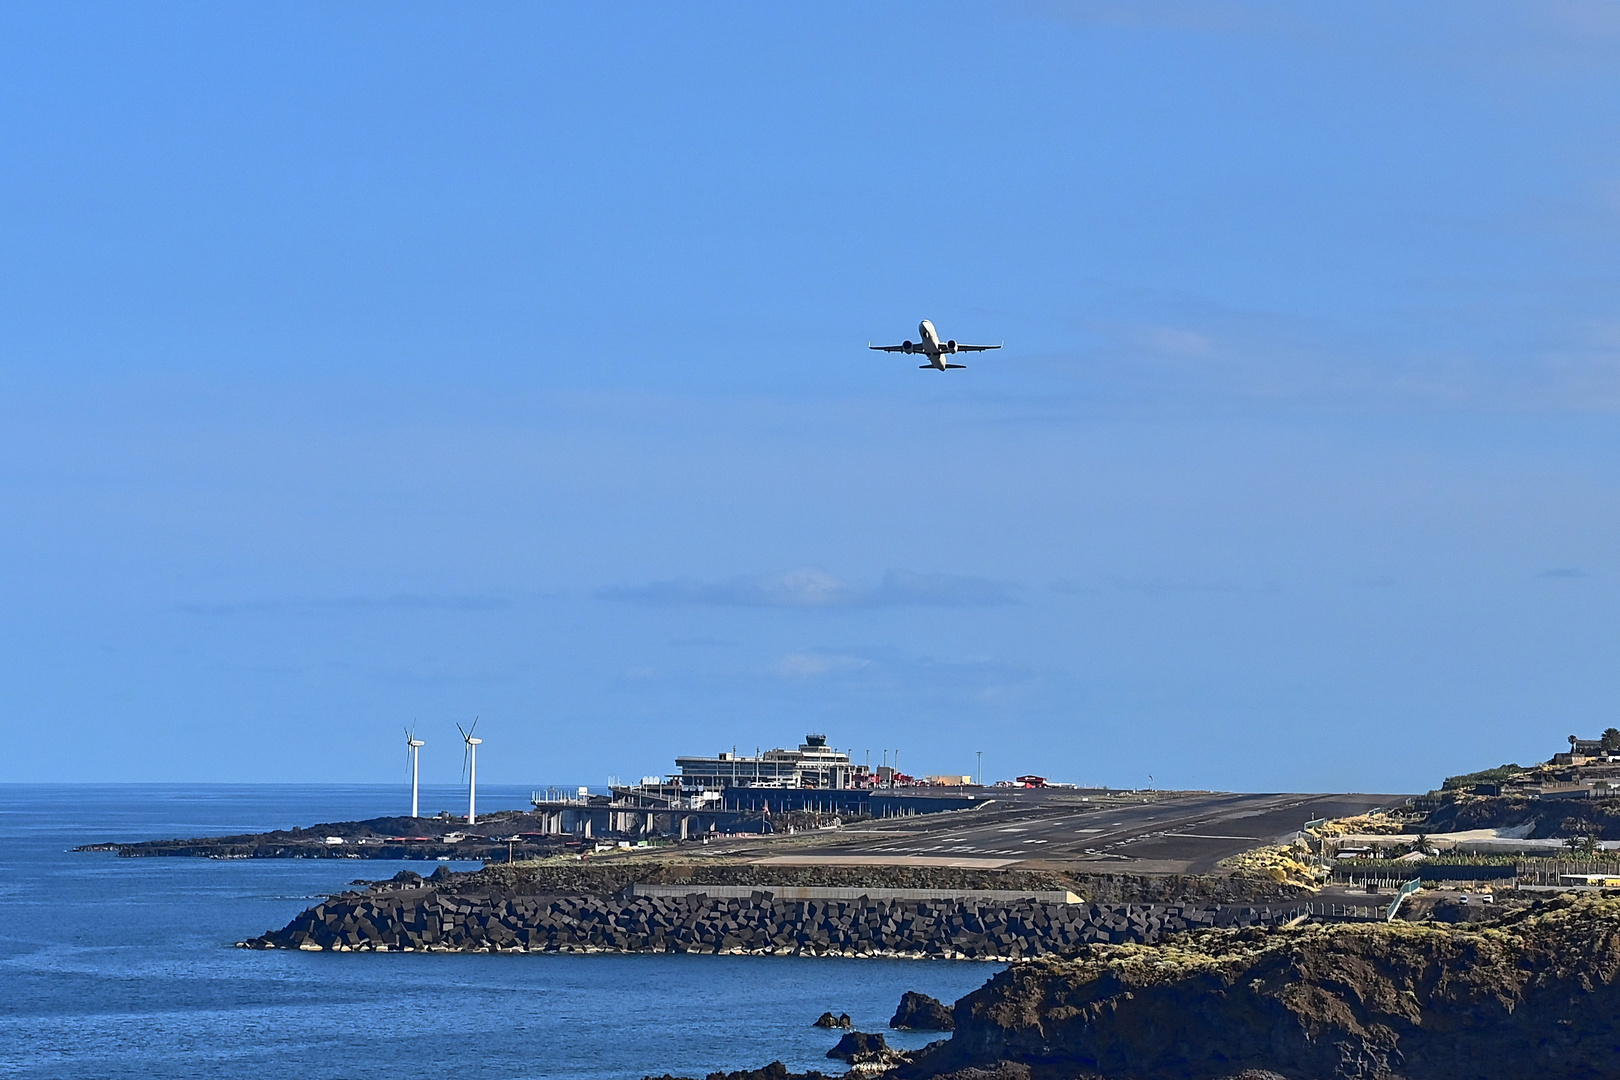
{"x":413,"y":750}
{"x":471,"y":761}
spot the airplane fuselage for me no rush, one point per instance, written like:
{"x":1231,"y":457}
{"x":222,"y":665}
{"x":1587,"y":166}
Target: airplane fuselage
{"x":930,"y":345}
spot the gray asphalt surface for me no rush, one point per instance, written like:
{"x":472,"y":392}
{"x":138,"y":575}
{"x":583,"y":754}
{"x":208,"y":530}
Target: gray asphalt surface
{"x":1165,"y":833}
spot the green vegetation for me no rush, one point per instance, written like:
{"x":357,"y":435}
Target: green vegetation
{"x":1459,"y":858}
{"x":1484,"y":776}
{"x":1393,"y":868}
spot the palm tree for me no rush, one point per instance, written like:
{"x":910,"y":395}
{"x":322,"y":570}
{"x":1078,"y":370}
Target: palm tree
{"x":1611,"y":740}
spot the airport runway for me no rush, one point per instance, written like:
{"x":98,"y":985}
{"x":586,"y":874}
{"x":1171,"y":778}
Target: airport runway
{"x":1183,"y":832}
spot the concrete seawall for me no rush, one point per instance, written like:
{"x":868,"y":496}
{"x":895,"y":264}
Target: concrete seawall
{"x":424,"y":920}
{"x":822,"y":892}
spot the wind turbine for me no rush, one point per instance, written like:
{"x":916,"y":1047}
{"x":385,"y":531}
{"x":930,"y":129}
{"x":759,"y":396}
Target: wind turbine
{"x":413,"y":750}
{"x":470,"y":762}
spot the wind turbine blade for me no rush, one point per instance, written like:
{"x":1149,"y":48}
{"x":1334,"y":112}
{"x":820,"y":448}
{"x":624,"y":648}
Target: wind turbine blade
{"x":463,"y":733}
{"x":473,"y":728}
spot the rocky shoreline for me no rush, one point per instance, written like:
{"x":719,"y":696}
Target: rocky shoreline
{"x":407,"y":916}
{"x":502,"y":835}
{"x":1534,"y":992}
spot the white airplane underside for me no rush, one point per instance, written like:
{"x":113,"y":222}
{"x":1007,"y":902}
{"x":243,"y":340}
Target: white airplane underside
{"x":933,"y":348}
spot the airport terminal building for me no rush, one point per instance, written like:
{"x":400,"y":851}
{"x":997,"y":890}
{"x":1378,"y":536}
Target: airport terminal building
{"x":812,"y":766}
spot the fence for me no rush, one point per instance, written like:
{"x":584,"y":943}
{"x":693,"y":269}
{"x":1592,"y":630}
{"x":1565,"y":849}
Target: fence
{"x":1548,"y":871}
{"x":1344,"y":912}
{"x":1381,"y":882}
{"x":1384,"y":873}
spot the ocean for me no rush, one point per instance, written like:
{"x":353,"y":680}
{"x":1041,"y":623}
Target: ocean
{"x":125,"y":968}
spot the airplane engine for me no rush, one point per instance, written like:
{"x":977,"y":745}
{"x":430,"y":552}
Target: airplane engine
{"x":905,"y":346}
{"x":950,"y":346}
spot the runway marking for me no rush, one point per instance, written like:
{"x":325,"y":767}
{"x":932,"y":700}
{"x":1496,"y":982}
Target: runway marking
{"x":1207,"y":836}
{"x":885,"y":860}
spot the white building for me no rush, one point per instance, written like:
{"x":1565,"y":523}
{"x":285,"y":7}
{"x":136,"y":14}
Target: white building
{"x":812,"y":765}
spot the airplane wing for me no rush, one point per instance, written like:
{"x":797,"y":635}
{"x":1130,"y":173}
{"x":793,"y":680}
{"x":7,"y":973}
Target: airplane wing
{"x":890,"y":348}
{"x":974,"y":348}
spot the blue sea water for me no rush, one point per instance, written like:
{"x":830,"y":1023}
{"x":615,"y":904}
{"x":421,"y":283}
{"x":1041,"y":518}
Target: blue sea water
{"x":116,"y":967}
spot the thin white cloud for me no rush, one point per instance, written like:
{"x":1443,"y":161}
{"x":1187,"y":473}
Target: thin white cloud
{"x":810,"y":665}
{"x":1171,"y":341}
{"x":396,"y":602}
{"x":815,"y":588}
{"x":1159,"y":585}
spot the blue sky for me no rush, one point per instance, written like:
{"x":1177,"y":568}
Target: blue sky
{"x":379,"y":363}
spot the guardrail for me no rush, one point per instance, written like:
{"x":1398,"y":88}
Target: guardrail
{"x":558,"y":796}
{"x":1406,"y":890}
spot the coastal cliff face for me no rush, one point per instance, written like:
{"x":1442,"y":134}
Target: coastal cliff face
{"x":1533,"y":994}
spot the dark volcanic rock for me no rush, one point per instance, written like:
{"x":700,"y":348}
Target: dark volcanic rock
{"x":374,"y":838}
{"x":1001,"y":1070}
{"x":859,"y":1046}
{"x":1346,"y":1002}
{"x":919,"y":1012}
{"x":774,"y":1071}
{"x":828,"y":1020}
{"x":442,"y":914}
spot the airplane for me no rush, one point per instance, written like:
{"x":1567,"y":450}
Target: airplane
{"x":933,"y":348}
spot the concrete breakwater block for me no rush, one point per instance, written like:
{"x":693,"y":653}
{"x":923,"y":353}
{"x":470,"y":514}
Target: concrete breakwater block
{"x":429,"y":920}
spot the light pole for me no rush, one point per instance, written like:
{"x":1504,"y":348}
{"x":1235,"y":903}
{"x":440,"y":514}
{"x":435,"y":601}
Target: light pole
{"x":980,"y":754}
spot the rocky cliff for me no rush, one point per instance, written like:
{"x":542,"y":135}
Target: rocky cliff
{"x":1533,"y":993}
